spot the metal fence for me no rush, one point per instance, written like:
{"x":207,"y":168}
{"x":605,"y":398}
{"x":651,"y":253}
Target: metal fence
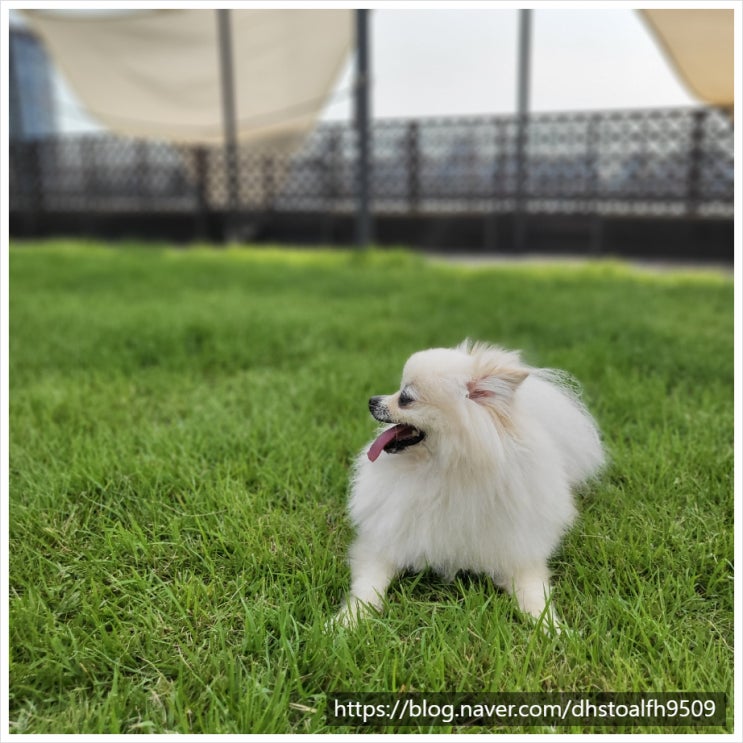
{"x":655,"y":162}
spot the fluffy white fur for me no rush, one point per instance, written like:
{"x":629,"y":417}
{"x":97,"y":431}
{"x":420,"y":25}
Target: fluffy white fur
{"x":488,"y":490}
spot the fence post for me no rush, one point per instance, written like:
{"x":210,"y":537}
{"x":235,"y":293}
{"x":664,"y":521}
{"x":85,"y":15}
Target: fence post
{"x":143,"y":172}
{"x":413,"y":148}
{"x":334,"y":176}
{"x":90,"y":183}
{"x":521,"y":183}
{"x":522,"y":106}
{"x":30,"y":185}
{"x":333,"y":181}
{"x":269,"y":182}
{"x":87,"y":156}
{"x":93,"y":193}
{"x":696,"y":155}
{"x":229,"y":123}
{"x":592,"y":190}
{"x":202,"y":192}
{"x":498,"y":185}
{"x":37,"y":179}
{"x":592,"y":161}
{"x":364,"y":155}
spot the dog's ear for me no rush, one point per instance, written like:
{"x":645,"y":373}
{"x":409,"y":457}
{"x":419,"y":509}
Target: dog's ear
{"x":496,"y":373}
{"x":497,"y":384}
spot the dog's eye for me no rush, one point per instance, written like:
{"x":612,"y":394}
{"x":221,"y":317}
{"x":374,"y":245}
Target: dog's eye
{"x":405,"y":399}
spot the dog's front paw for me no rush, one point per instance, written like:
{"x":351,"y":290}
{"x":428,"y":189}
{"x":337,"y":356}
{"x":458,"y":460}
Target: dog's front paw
{"x":351,"y":613}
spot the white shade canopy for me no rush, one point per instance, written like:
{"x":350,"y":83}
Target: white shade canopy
{"x":700,"y":45}
{"x":156,"y":73}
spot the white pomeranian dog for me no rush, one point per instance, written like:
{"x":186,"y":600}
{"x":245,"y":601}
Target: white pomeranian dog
{"x":475,"y":473}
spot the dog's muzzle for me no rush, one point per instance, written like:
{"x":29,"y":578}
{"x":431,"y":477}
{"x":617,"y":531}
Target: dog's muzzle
{"x":392,"y":440}
{"x":379,"y":410}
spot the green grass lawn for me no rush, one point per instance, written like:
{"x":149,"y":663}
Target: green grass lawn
{"x":182,"y":424}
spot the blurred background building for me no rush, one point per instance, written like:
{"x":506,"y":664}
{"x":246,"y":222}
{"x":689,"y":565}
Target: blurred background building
{"x":32,"y":111}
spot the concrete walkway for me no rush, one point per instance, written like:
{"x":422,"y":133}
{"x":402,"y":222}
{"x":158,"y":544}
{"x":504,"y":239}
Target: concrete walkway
{"x":495,"y":259}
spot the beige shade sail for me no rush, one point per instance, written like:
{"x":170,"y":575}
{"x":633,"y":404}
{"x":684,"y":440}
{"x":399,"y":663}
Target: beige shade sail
{"x":699,"y":44}
{"x":156,"y":73}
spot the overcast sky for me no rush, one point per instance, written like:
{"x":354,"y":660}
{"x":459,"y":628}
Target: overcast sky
{"x":456,"y":62}
{"x":439,"y":62}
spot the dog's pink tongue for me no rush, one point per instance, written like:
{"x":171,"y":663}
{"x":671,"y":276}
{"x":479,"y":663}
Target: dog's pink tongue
{"x":381,"y":441}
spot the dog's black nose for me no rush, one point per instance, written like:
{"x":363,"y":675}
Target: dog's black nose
{"x":379,"y":410}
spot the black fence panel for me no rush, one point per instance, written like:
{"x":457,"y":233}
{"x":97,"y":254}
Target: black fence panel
{"x":656,"y":163}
